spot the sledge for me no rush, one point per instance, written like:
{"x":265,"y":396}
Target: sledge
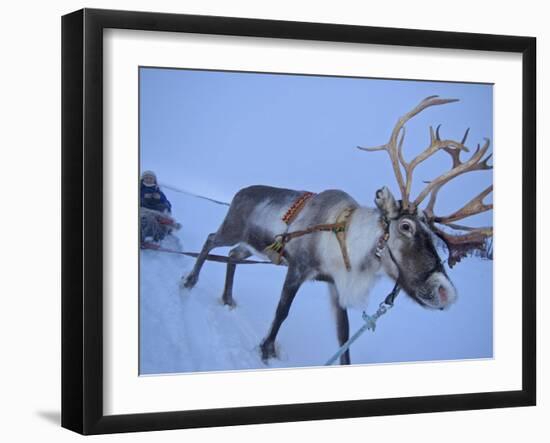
{"x":155,"y":225}
{"x":162,"y":218}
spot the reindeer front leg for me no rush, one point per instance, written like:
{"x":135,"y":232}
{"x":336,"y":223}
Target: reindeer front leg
{"x":293,"y":281}
{"x":342,"y":323}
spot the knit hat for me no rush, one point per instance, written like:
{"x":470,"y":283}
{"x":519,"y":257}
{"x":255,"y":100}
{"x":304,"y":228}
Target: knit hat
{"x":148,"y":174}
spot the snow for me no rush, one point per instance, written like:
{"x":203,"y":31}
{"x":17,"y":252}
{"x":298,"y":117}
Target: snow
{"x":192,"y":331}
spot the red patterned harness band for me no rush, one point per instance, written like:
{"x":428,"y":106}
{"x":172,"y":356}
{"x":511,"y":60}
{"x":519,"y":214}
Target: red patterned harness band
{"x":296,"y":207}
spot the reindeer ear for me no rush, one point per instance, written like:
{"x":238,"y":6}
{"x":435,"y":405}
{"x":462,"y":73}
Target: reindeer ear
{"x":386,"y":203}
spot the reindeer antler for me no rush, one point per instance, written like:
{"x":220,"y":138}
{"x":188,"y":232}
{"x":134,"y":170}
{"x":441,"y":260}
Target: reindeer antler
{"x":471,"y":238}
{"x":395,"y":147}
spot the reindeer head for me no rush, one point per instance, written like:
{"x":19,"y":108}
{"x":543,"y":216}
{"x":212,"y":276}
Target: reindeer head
{"x":410,"y":256}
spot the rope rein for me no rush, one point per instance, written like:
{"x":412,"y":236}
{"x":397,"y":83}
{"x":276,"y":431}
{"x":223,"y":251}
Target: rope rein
{"x":370,"y":323}
{"x":209,"y":257}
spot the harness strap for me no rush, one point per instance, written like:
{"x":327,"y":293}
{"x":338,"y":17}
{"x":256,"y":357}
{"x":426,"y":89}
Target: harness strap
{"x":339,"y":228}
{"x":296,"y":207}
{"x":381,"y":244}
{"x":341,"y":234}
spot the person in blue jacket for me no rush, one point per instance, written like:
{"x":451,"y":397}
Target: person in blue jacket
{"x":153,"y":225}
{"x":150,"y":194}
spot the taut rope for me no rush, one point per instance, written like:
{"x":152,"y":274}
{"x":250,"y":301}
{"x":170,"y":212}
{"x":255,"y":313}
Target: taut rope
{"x":370,"y":323}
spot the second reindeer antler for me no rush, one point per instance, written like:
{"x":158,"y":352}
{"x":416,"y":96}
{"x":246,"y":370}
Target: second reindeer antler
{"x":470,"y":238}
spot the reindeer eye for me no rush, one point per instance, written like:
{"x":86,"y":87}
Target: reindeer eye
{"x":406,"y":227}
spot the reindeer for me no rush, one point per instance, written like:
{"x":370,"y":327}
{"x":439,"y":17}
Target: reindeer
{"x":329,"y":237}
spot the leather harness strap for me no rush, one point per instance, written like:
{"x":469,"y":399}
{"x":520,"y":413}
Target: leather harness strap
{"x":296,"y":207}
{"x":339,"y":228}
{"x":344,"y":217}
{"x":381,"y":244}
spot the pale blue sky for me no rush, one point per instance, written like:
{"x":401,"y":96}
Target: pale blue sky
{"x":216,"y":132}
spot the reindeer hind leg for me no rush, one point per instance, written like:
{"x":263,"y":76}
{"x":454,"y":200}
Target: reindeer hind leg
{"x":228,"y":234}
{"x":213,"y":240}
{"x":240,"y":253}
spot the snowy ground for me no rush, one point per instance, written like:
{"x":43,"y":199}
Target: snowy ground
{"x":190,"y":330}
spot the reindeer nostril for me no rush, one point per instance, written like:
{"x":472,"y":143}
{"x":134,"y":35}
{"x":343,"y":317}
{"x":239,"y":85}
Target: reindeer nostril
{"x":443,"y":295}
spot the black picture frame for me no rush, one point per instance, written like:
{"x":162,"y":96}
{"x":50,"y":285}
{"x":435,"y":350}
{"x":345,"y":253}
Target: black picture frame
{"x":82,"y":215}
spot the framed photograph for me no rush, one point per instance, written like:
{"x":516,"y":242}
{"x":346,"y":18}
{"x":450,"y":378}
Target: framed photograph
{"x":269,"y":221}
